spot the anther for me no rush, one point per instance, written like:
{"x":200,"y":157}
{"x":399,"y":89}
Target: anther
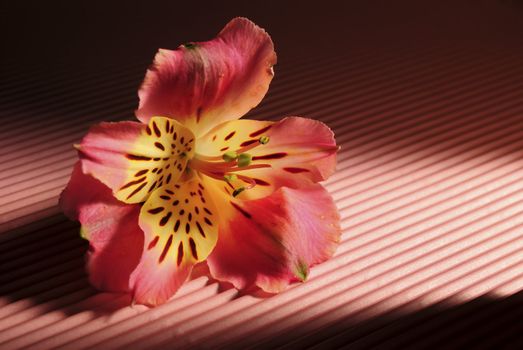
{"x":230,"y":177}
{"x":238,"y":191}
{"x":229,"y":156}
{"x":264,"y":140}
{"x":244,"y":159}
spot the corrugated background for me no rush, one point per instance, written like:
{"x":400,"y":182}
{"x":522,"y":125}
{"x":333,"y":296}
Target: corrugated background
{"x":426,"y":101}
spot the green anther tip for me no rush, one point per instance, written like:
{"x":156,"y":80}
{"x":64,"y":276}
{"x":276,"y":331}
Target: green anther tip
{"x":229,"y":156}
{"x":190,"y":45}
{"x":264,"y":140}
{"x":238,"y":191}
{"x":301,"y":271}
{"x":244,"y":159}
{"x":230,"y":177}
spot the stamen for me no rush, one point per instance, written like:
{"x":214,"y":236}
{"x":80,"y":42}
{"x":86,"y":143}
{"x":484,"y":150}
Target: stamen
{"x":255,"y":166}
{"x":249,"y":180}
{"x":230,"y":177}
{"x":222,"y":167}
{"x":264,"y":140}
{"x":238,"y":191}
{"x":229,"y":156}
{"x":244,"y":159}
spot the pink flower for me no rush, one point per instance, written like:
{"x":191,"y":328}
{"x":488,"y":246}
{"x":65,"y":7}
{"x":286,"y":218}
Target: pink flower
{"x":191,"y":182}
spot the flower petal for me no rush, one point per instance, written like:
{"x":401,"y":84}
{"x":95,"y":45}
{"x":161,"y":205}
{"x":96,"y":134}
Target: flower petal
{"x":231,"y":136}
{"x":181,"y":228}
{"x":115,"y":239}
{"x":299,"y":151}
{"x":272,"y":241}
{"x":204,"y":84}
{"x":134,"y":159}
{"x":154,"y":284}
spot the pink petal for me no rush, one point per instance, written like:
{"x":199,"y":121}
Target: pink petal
{"x":115,"y":239}
{"x":204,"y":84}
{"x":133,"y":159}
{"x":296,"y":143}
{"x":299,"y":151}
{"x":154,"y":284}
{"x":180,"y":223}
{"x":272,"y":241}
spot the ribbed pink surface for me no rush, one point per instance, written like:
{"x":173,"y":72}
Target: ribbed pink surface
{"x":429,"y":187}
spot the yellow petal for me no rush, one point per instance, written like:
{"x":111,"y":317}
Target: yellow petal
{"x":158,"y":157}
{"x":180,"y":222}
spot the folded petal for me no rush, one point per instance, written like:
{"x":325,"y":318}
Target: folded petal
{"x":115,"y":239}
{"x":134,"y":159}
{"x":181,"y":228}
{"x":272,"y":241}
{"x":206,"y":83}
{"x":297,"y":151}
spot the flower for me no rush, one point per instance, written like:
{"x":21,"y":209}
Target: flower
{"x":191,"y":182}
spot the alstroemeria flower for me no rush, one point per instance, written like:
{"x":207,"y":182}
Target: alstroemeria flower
{"x":190,"y":182}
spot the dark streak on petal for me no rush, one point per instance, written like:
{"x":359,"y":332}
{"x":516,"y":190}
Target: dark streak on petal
{"x":153,"y":243}
{"x":159,"y":145}
{"x":241,"y":210}
{"x":166,"y":248}
{"x":248,"y":143}
{"x":136,"y":190}
{"x":261,"y":131}
{"x":180,"y":254}
{"x":261,"y":182}
{"x":135,"y":182}
{"x":135,"y":157}
{"x":270,"y":156}
{"x":156,"y":130}
{"x":193,"y":248}
{"x":200,"y":229}
{"x":156,"y":210}
{"x":229,"y":136}
{"x":152,"y":187}
{"x":141,"y":172}
{"x":177,"y":226}
{"x":165,"y":219}
{"x":296,"y":170}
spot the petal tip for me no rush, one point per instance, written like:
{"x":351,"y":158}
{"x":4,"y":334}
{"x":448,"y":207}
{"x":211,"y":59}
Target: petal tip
{"x":301,"y":271}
